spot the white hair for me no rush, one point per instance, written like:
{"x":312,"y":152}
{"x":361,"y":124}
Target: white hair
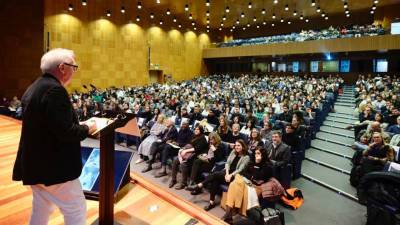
{"x":51,"y":59}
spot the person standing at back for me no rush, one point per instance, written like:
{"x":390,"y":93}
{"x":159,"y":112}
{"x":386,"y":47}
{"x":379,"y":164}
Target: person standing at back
{"x":49,"y":153}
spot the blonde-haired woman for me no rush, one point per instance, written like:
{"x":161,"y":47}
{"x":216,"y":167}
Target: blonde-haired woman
{"x":155,"y":133}
{"x":377,"y":154}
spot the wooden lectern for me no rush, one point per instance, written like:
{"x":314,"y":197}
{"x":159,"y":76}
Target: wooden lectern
{"x":106,"y":200}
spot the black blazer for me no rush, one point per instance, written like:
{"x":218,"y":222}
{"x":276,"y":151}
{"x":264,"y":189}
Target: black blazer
{"x":49,"y":149}
{"x":282,"y":154}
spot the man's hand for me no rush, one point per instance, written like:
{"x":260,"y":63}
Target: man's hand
{"x":92,"y":126}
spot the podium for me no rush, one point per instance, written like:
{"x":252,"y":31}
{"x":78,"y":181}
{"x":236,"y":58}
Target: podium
{"x":106,"y":196}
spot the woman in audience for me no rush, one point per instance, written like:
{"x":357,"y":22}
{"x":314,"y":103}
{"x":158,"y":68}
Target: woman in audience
{"x":258,"y":172}
{"x":377,"y":154}
{"x":253,"y":142}
{"x":246,"y":130}
{"x":206,"y":161}
{"x":198,"y":145}
{"x":236,"y":164}
{"x":224,"y":130}
{"x":155,"y":133}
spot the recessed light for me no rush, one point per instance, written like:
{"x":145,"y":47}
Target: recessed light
{"x":122,"y":9}
{"x":70,"y":7}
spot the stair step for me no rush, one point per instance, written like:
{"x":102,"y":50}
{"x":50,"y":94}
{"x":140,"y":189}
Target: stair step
{"x":345,"y":104}
{"x":342,"y":120}
{"x":344,"y":109}
{"x":344,"y":101}
{"x":332,"y":179}
{"x":344,"y":116}
{"x":335,"y":138}
{"x":337,"y":131}
{"x":333,"y":148}
{"x":335,"y":124}
{"x":335,"y":162}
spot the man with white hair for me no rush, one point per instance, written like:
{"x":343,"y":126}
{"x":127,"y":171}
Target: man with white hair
{"x":49,"y":153}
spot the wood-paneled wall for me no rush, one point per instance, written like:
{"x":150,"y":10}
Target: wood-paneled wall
{"x":384,"y":42}
{"x":112,"y":51}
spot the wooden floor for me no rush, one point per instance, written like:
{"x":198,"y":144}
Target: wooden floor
{"x":142,"y":202}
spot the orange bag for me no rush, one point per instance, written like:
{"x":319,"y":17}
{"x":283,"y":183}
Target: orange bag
{"x":293,"y":199}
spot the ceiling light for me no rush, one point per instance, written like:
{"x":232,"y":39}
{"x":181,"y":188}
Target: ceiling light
{"x":208,"y":3}
{"x":122,"y":9}
{"x":70,"y":7}
{"x":287,"y":8}
{"x":208,"y":13}
{"x":208,"y":31}
{"x":258,"y":26}
{"x":230,"y":30}
{"x":288,"y":22}
{"x":220,"y":28}
{"x":326,"y":18}
{"x":242,"y":15}
{"x":222,"y":24}
{"x":237,"y":21}
{"x":208,"y":21}
{"x":151,"y":16}
{"x":323,"y":14}
{"x":168,"y":12}
{"x":161,"y":22}
{"x":227,"y":9}
{"x":255,"y":19}
{"x":347,"y":11}
{"x":179,"y":26}
{"x":318,"y":9}
{"x":248,"y":24}
{"x":348,"y":15}
{"x":193,"y":23}
{"x":301,"y":17}
{"x":372,"y":12}
{"x":313,"y":3}
{"x":158,"y":2}
{"x":273,"y":24}
{"x":174,"y":20}
{"x":273,"y":16}
{"x":307,"y":20}
{"x":186,"y":7}
{"x":195,"y":28}
{"x":208,"y":26}
{"x":84,"y":2}
{"x":373,"y":7}
{"x":138,"y":18}
{"x":244,"y":28}
{"x":295,"y":13}
{"x":224,"y":18}
{"x":264,"y":23}
{"x":139,"y":5}
{"x":233,"y":27}
{"x":263,"y":11}
{"x":250,"y":5}
{"x":376,"y":2}
{"x":345,"y":5}
{"x":282,"y":20}
{"x":190,"y":16}
{"x":108,"y":13}
{"x":275,"y":1}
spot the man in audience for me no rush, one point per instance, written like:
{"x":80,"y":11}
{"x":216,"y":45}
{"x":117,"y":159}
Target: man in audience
{"x":395,"y":129}
{"x":171,"y":149}
{"x":285,"y":115}
{"x":278,"y":152}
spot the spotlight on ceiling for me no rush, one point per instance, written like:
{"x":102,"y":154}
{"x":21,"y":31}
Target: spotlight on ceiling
{"x":122,"y":10}
{"x":84,"y":2}
{"x":313,"y":3}
{"x":186,"y":7}
{"x":139,"y":5}
{"x":174,"y":20}
{"x":208,"y":3}
{"x":161,"y":22}
{"x":227,"y":9}
{"x":138,"y":18}
{"x":190,"y":16}
{"x":318,"y":9}
{"x":108,"y":13}
{"x":286,"y":7}
{"x":242,"y":15}
{"x":168,"y":12}
{"x":151,"y":15}
{"x":295,"y":13}
{"x":250,"y":5}
{"x":275,"y":1}
{"x":263,"y":11}
{"x":70,"y":7}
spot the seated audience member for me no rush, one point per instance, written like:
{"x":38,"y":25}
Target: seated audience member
{"x":235,"y":119}
{"x":377,"y":154}
{"x":391,"y":117}
{"x":223,"y":129}
{"x":236,"y":135}
{"x":147,"y":114}
{"x":196,"y":115}
{"x":299,"y":130}
{"x":286,"y":115}
{"x":212,"y":117}
{"x":15,"y":103}
{"x":206,"y":161}
{"x":186,"y":155}
{"x":290,"y":138}
{"x":375,"y":127}
{"x":246,"y":130}
{"x":236,"y":113}
{"x":278,"y":152}
{"x":237,"y":162}
{"x":395,"y":129}
{"x":253,"y":142}
{"x":156,"y":132}
{"x":258,"y":172}
{"x":367,"y":114}
{"x":169,"y":136}
{"x":366,"y":124}
{"x":171,"y":149}
{"x":266,"y":132}
{"x":250,"y":117}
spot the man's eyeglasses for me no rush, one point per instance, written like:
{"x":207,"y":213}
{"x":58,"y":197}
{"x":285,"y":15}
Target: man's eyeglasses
{"x":74,"y":67}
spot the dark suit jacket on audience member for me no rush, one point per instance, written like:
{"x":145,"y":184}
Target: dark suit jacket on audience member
{"x":49,"y":150}
{"x":282,"y":154}
{"x":170,"y":134}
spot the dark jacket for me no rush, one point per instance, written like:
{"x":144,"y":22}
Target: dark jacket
{"x":184,"y":137}
{"x":282,"y":154}
{"x":170,"y":134}
{"x":49,"y":150}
